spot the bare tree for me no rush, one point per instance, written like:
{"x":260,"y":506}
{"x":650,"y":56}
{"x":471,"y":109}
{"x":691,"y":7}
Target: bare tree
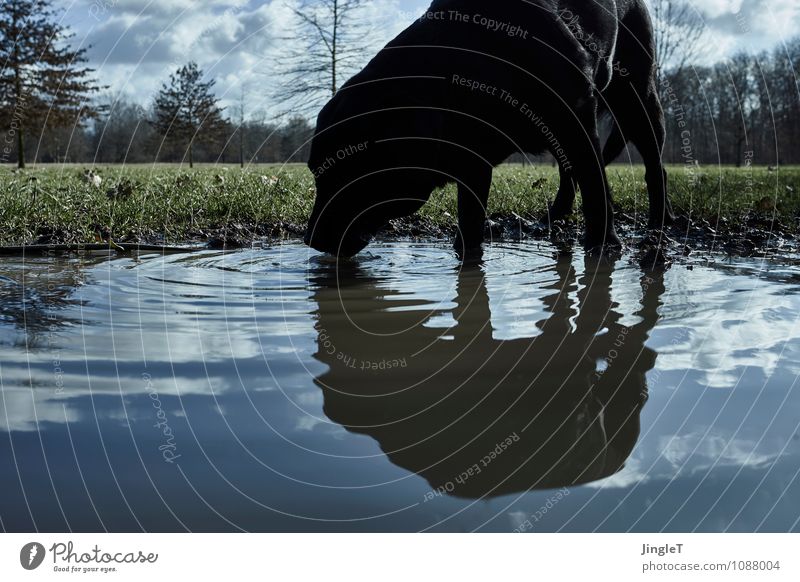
{"x":122,"y":134}
{"x":329,"y":40}
{"x":679,"y":34}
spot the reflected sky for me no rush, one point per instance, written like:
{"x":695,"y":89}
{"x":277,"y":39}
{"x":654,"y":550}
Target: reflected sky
{"x":271,"y":390}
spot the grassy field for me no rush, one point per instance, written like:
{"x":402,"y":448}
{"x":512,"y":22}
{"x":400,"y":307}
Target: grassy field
{"x":173,"y":204}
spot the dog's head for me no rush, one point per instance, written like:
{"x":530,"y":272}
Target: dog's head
{"x":346,"y":210}
{"x":367,"y":171}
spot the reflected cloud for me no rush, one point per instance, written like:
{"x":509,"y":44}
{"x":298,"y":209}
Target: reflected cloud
{"x":21,"y":410}
{"x":700,"y":451}
{"x":744,"y":325}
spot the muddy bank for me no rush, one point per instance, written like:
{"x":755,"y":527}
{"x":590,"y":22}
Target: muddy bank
{"x":756,"y":234}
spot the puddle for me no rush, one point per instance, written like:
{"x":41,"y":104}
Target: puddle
{"x":268,"y":391}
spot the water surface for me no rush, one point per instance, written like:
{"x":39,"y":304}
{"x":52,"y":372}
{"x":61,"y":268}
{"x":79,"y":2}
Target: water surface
{"x":269,"y":390}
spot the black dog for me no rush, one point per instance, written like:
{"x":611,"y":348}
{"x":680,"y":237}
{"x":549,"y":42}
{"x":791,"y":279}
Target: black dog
{"x":469,"y":84}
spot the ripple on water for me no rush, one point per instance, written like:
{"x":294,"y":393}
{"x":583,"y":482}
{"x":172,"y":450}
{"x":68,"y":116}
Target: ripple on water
{"x":296,"y":384}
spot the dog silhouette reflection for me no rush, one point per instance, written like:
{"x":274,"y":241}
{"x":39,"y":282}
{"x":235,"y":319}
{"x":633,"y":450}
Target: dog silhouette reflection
{"x":477,"y":416}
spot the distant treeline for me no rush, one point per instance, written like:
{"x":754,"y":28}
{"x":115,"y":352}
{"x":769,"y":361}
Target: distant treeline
{"x":744,"y":109}
{"x":124,"y":134}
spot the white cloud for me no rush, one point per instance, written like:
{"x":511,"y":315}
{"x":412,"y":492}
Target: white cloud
{"x":716,"y":8}
{"x":778,"y":19}
{"x":136,"y":44}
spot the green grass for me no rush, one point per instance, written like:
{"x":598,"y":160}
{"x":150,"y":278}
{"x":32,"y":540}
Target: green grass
{"x":174,"y":204}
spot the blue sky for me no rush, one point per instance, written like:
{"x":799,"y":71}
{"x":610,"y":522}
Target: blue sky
{"x":137,"y":43}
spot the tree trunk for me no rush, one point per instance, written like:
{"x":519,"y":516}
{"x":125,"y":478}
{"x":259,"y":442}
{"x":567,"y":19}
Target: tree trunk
{"x":20,"y":149}
{"x":739,"y":142}
{"x":334,"y":56}
{"x":18,"y":105}
{"x":241,"y":146}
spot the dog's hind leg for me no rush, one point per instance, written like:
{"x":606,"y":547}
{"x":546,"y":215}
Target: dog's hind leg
{"x":633,"y":100}
{"x":648,"y":136}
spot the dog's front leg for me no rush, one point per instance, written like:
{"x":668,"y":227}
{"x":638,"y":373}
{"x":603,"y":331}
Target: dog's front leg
{"x":473,"y":195}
